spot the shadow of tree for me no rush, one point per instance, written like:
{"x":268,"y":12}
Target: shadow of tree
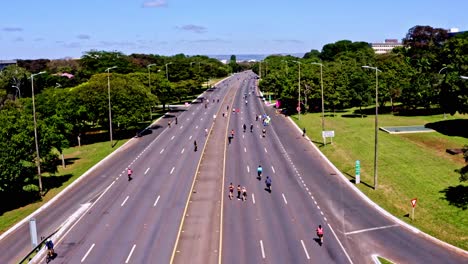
{"x":11,"y":201}
{"x":54,"y":181}
{"x":456,"y":127}
{"x":457,"y":196}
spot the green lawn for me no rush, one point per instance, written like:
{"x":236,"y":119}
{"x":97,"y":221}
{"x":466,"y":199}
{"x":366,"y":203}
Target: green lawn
{"x":83,"y":158}
{"x":384,"y":261}
{"x":409,"y":166}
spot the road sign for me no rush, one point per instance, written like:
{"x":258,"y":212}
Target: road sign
{"x":298,"y":108}
{"x":330,"y":133}
{"x":413,"y":202}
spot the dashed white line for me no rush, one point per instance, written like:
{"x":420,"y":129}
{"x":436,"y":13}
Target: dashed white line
{"x":273,"y":169}
{"x":266,"y":150}
{"x":190,"y":138}
{"x":172,"y":137}
{"x":162,"y":150}
{"x":196,"y":127}
{"x":305,"y":250}
{"x":181,"y":127}
{"x":243,"y":136}
{"x":156,"y":202}
{"x":172,"y":170}
{"x":370,"y":229}
{"x":284,"y":198}
{"x":248,"y":169}
{"x":261,"y":247}
{"x":124,"y":201}
{"x":245,"y":150}
{"x":182,"y":152}
{"x":87,"y":253}
{"x":253,"y":198}
{"x":146,"y":171}
{"x":130,"y":255}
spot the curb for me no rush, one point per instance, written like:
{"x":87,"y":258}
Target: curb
{"x":373,"y":204}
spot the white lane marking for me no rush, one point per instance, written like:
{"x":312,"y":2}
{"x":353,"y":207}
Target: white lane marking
{"x":182,"y":152}
{"x":188,"y":119}
{"x":146,"y":171}
{"x":273,"y":169}
{"x":243,"y":136}
{"x":370,"y":229}
{"x":172,"y":137}
{"x":266,"y":150}
{"x":263,"y":251}
{"x":196,"y":127}
{"x":162,"y":150}
{"x":172,"y":170}
{"x":245,"y":150}
{"x":156,"y":202}
{"x":87,"y":253}
{"x":190,"y":138}
{"x":130,"y":255}
{"x":124,"y":201}
{"x":305,"y":249}
{"x":181,"y":127}
{"x":253,"y":198}
{"x":284,"y":198}
{"x":339,"y":242}
{"x":248,"y":169}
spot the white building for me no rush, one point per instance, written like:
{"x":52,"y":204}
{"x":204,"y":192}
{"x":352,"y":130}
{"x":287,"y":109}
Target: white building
{"x":386,"y":47}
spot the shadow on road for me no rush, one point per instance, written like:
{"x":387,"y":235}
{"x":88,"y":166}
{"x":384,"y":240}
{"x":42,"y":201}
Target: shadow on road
{"x":457,"y":196}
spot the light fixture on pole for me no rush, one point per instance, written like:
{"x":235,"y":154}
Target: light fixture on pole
{"x":299,"y":97}
{"x":167,"y":75}
{"x":149,"y":74}
{"x":464,"y":77}
{"x":18,"y":90}
{"x":376,"y":120}
{"x":321,"y":88}
{"x":38,"y":161}
{"x":108,"y":96}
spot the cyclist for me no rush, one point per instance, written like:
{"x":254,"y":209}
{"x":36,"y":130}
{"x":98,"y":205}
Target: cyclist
{"x":251,"y":127}
{"x":263,"y":132}
{"x":231,"y":191}
{"x":50,"y":248}
{"x":268,"y":183}
{"x":259,"y":171}
{"x":320,"y":234}
{"x":129,"y":173}
{"x":245,"y":127}
{"x":195,"y":146}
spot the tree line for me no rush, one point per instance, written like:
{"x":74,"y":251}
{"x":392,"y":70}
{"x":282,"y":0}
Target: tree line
{"x":71,"y":100}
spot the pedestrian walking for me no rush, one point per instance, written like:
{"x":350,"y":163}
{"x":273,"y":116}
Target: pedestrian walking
{"x":238,"y":192}
{"x":169,"y":124}
{"x":206,"y":132}
{"x":231,"y":191}
{"x":244,"y":194}
{"x":176,"y":121}
{"x":251,"y":128}
{"x":303,"y":132}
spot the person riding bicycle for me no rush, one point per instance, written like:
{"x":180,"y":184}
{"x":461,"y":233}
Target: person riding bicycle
{"x":245,"y":127}
{"x":50,"y":247}
{"x":263,"y":132}
{"x":268,"y":182}
{"x":259,"y":171}
{"x":320,"y":233}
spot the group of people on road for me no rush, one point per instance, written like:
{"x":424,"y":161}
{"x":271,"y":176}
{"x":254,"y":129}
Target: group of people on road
{"x":241,"y":192}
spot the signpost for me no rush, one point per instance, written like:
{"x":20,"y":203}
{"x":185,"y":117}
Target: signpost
{"x":358,"y":172}
{"x":329,"y":134}
{"x":413,"y":204}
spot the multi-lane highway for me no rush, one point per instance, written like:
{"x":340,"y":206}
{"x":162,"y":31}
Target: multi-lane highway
{"x":139,"y":221}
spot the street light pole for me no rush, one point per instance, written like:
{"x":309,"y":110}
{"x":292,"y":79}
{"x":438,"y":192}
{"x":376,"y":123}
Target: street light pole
{"x":38,"y":161}
{"x":321,"y":88}
{"x":18,"y":90}
{"x":108,"y":96}
{"x":149,"y":74}
{"x":299,"y":97}
{"x":376,"y":121}
{"x":464,"y":77}
{"x":167,"y":75}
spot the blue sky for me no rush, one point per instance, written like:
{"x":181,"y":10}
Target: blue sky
{"x":57,"y":28}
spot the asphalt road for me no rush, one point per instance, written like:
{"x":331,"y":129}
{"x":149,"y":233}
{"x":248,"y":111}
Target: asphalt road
{"x":138,"y":221}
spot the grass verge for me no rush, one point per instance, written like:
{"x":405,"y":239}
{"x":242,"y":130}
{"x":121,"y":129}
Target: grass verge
{"x":80,"y":159}
{"x":409,"y":166}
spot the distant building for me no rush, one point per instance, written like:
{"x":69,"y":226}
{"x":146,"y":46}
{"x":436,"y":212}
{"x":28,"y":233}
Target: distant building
{"x":4,"y":63}
{"x":454,"y":31}
{"x":386,"y":47}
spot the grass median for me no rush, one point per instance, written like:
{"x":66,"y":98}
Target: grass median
{"x":409,"y":166}
{"x":80,"y":159}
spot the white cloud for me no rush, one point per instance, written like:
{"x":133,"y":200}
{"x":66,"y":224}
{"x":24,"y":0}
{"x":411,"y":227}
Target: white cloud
{"x":156,"y":3}
{"x":83,"y":36}
{"x":12,"y":29}
{"x":288,"y":41}
{"x":19,"y":39}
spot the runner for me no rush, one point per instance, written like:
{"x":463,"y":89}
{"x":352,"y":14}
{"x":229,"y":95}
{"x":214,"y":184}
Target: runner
{"x":231,"y":191}
{"x":238,"y":192}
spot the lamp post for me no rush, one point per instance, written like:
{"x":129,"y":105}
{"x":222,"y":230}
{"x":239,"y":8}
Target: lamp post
{"x":18,"y":90}
{"x":464,"y":77}
{"x":445,"y":116}
{"x":167,"y":75}
{"x":38,"y":161}
{"x":149,"y":74}
{"x":376,"y":120}
{"x":108,"y":96}
{"x":299,"y":85}
{"x":321,"y":88}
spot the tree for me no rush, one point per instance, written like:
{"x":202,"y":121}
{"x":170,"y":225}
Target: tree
{"x":312,"y":54}
{"x":13,"y":81}
{"x":233,"y":63}
{"x":95,"y":62}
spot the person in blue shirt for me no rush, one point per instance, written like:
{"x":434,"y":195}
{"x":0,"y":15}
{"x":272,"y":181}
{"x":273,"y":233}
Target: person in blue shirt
{"x":259,"y":171}
{"x":268,"y":183}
